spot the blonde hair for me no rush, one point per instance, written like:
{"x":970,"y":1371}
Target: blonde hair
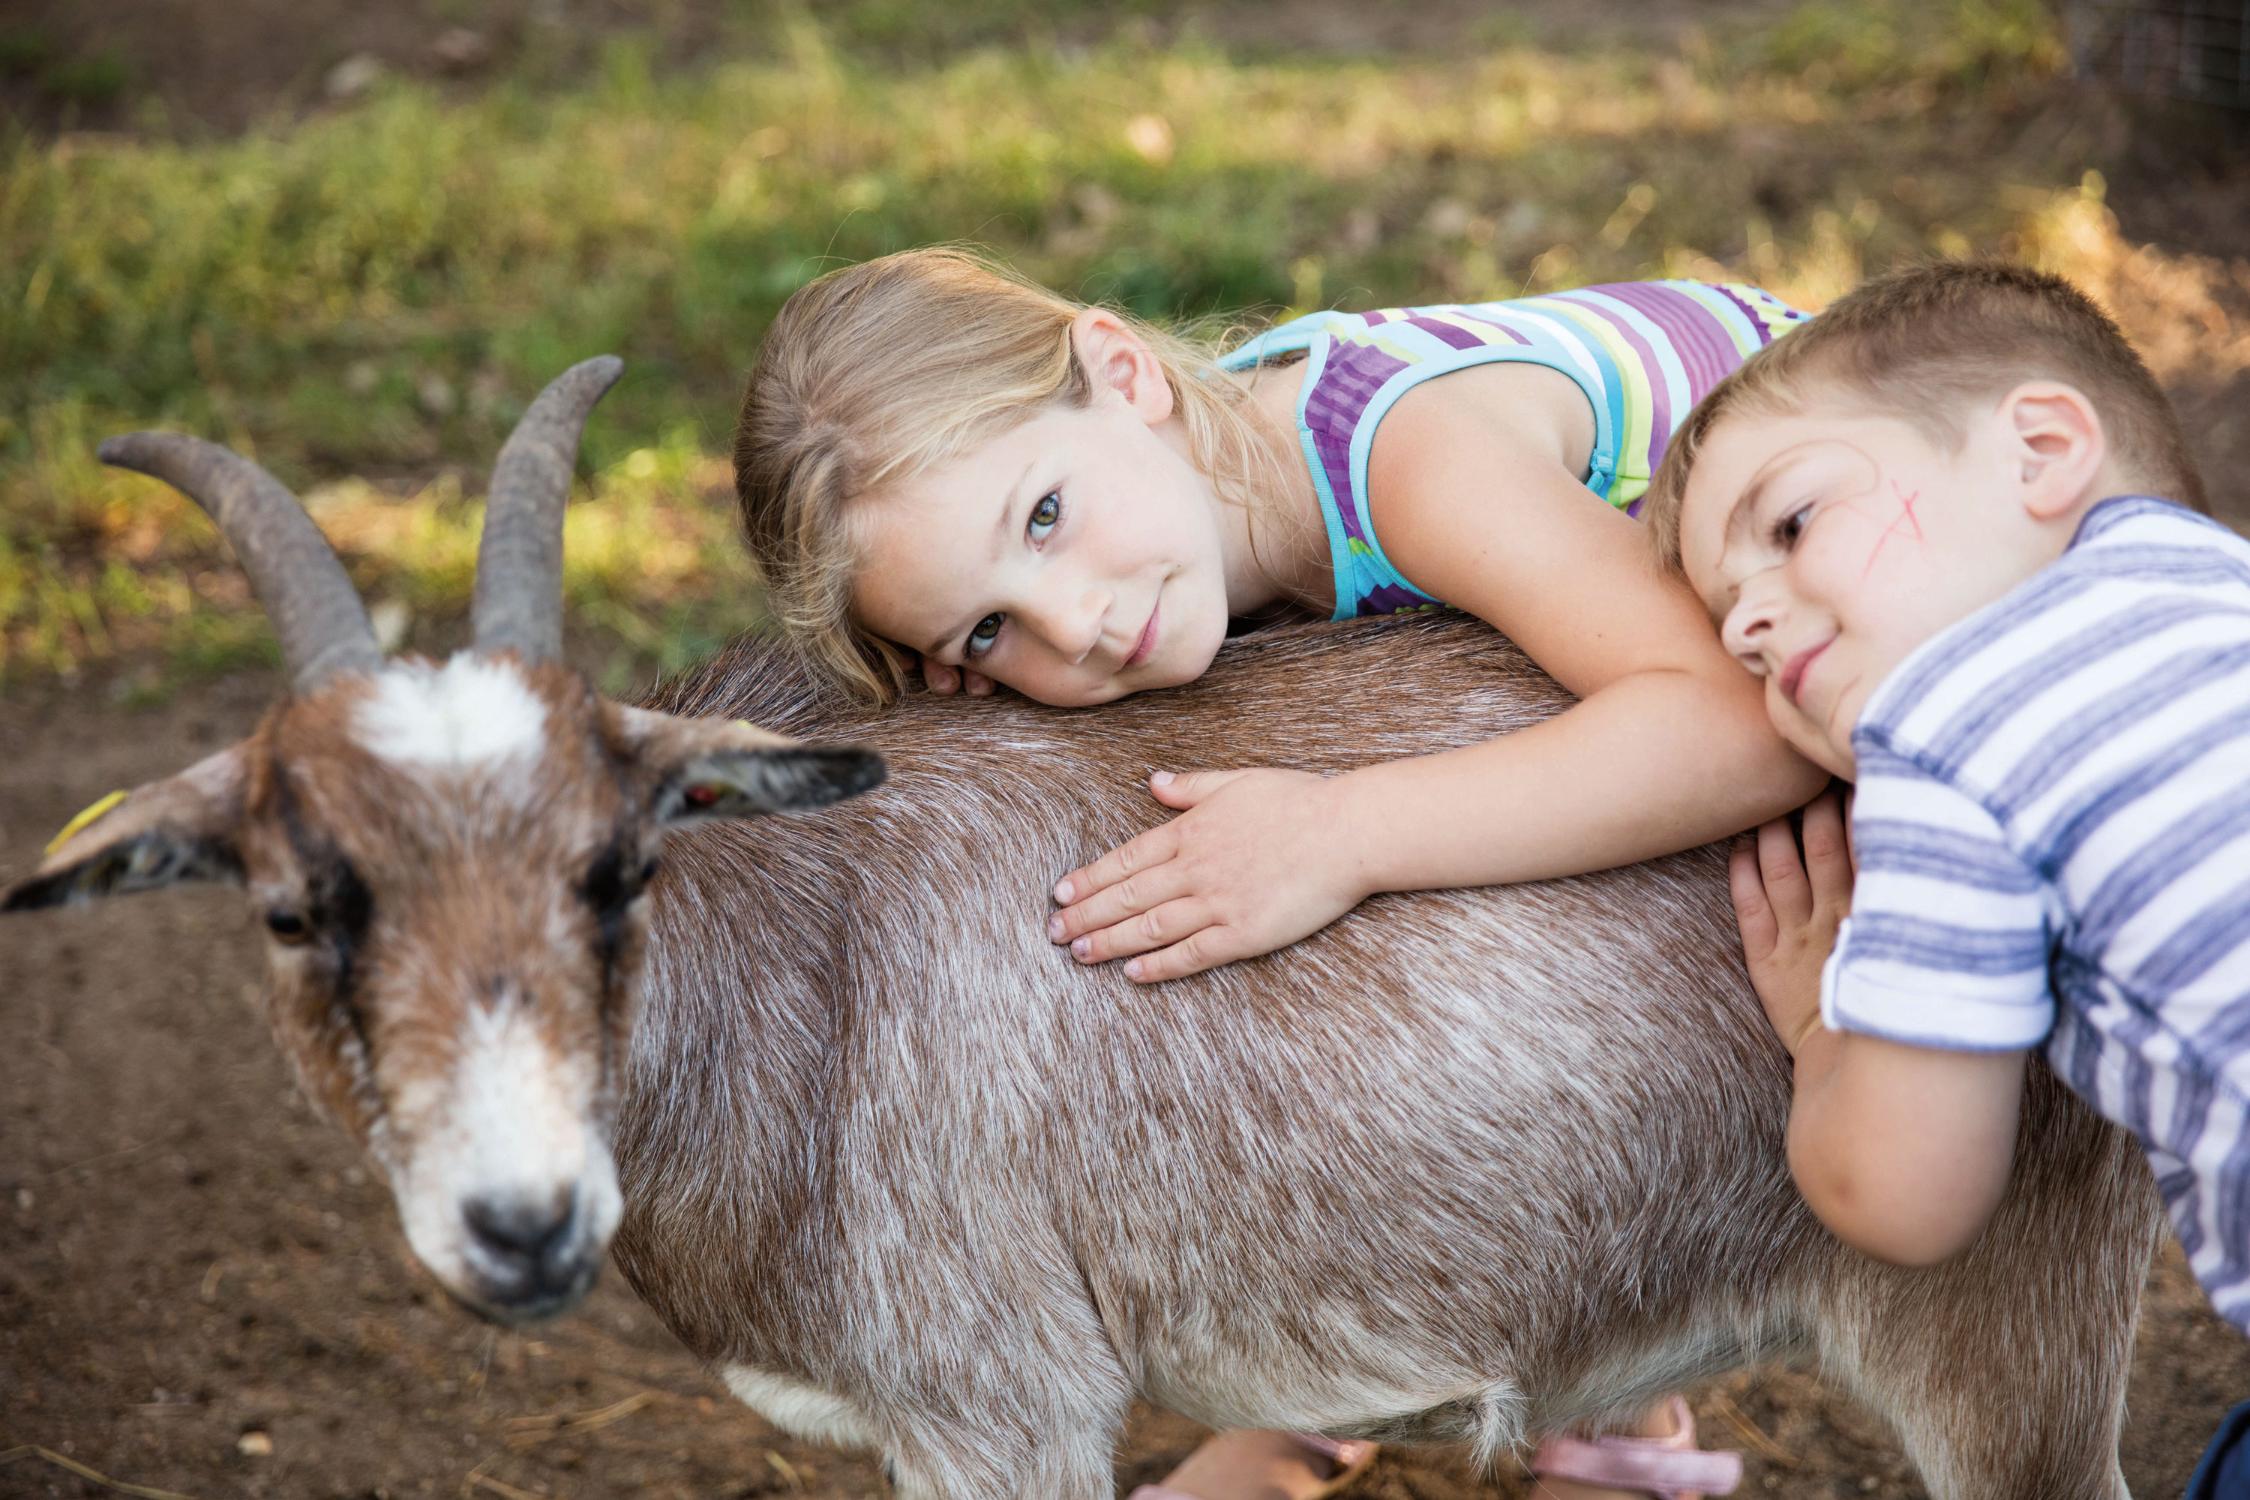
{"x":1926,"y":344}
{"x":882,"y":370}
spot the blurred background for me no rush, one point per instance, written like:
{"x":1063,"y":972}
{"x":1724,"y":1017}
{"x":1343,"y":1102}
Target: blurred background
{"x":353,"y":239}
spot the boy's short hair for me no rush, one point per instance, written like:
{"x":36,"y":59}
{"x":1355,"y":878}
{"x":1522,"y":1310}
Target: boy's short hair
{"x":1923,"y":345}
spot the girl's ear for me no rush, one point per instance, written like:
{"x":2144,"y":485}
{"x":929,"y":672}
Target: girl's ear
{"x":1119,"y":363}
{"x":2056,"y":442}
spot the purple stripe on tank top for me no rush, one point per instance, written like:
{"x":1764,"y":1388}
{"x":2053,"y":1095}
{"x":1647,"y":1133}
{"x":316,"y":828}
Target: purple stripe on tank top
{"x":1389,"y":599}
{"x":1721,"y":336}
{"x":1757,"y":322}
{"x":1660,"y":397}
{"x":1501,"y":330}
{"x":1453,"y":335}
{"x":1373,"y":318}
{"x":1336,"y":463}
{"x":1691,"y":328}
{"x":1349,"y":380}
{"x":1715,"y":336}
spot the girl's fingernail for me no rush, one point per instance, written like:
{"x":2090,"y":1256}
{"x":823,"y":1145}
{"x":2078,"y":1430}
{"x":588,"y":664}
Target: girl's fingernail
{"x":1133,"y":968}
{"x":1062,"y":892}
{"x":1080,"y":947}
{"x":1161,"y":778}
{"x":1055,"y":928}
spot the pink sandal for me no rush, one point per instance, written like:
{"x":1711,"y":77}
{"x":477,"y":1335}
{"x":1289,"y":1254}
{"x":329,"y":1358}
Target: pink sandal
{"x":1351,"y":1457}
{"x":1666,"y":1467}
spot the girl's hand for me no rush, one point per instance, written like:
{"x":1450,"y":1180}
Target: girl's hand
{"x":942,"y":679}
{"x":1250,"y":865}
{"x":1789,"y":908}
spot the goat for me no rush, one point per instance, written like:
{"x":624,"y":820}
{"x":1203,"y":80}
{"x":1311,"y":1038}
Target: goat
{"x":1465,"y":1166}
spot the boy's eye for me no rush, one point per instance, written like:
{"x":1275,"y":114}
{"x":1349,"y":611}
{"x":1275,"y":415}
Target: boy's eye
{"x":1044,"y":515}
{"x":984,"y":633}
{"x":1791,"y":525}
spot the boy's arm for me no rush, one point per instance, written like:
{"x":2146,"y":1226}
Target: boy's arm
{"x":1902,"y":1151}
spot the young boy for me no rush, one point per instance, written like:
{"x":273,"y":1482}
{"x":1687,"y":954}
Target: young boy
{"x":1928,"y":519}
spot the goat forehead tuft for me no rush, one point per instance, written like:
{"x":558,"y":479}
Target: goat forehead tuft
{"x":471,"y":712}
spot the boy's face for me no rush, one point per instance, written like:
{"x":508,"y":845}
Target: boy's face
{"x":1830,"y":542}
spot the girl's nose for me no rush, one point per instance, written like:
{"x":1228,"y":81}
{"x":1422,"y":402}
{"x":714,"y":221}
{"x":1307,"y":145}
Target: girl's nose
{"x":1072,"y":621}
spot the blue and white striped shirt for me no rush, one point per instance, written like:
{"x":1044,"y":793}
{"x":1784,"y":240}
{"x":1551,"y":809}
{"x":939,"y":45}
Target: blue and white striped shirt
{"x":2052,"y":824}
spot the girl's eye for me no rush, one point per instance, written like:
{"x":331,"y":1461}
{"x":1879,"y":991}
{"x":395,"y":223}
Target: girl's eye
{"x":984,"y":633}
{"x":1044,"y":515}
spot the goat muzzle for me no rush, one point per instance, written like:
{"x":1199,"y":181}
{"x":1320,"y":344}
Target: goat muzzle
{"x":529,"y":1259}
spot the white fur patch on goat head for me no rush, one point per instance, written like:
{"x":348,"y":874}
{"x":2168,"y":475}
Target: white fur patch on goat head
{"x":474,"y":711}
{"x":512,"y":1123}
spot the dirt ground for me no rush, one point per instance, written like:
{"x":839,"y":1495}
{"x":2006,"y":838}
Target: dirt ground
{"x":203,"y":1292}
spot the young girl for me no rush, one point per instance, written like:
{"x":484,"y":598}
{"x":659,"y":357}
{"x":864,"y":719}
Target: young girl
{"x":937,"y":461}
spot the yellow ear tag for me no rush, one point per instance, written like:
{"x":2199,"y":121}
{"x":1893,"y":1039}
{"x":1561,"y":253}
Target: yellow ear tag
{"x":73,"y":827}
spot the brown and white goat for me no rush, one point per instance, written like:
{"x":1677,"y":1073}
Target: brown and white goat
{"x":1466,"y":1166}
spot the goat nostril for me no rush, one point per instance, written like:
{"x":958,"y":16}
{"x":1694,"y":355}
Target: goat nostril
{"x":522,"y":1228}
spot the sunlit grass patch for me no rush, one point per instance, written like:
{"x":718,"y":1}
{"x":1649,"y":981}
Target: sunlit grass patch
{"x":651,"y":567}
{"x":367,"y":300}
{"x":1848,"y":44}
{"x":2179,"y":306}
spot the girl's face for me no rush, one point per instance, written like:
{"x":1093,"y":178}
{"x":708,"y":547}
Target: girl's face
{"x":1076,"y":557}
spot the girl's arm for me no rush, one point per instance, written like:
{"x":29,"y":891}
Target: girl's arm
{"x":1669,"y":746}
{"x":1473,"y":491}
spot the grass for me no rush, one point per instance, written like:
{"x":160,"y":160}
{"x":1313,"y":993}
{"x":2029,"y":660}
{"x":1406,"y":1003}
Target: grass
{"x":365,"y":300}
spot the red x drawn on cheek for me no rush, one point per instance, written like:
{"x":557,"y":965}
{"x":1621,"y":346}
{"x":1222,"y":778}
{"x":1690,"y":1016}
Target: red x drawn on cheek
{"x":1906,"y":520}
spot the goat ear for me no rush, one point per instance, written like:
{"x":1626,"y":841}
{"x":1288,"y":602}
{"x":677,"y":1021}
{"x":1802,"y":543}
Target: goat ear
{"x":719,"y":768}
{"x":740,"y":783}
{"x":181,"y":828}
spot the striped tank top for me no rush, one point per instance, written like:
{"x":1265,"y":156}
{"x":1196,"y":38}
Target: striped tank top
{"x":1643,"y":352}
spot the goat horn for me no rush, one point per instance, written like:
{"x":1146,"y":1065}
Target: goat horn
{"x":519,"y":561}
{"x":293,"y":571}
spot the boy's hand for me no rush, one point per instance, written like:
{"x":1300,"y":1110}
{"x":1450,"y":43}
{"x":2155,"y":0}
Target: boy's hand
{"x":1788,"y":909}
{"x":942,"y":679}
{"x":1250,"y":865}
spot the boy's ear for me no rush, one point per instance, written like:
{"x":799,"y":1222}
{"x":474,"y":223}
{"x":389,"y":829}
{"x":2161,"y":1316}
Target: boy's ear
{"x":697,"y":769}
{"x":179,"y":829}
{"x":2057,"y":444}
{"x":1119,"y":362}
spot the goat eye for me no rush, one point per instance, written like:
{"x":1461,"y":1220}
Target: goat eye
{"x":611,"y":885}
{"x":287,"y":926}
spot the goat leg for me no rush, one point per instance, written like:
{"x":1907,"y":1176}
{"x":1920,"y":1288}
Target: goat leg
{"x":968,"y":1464}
